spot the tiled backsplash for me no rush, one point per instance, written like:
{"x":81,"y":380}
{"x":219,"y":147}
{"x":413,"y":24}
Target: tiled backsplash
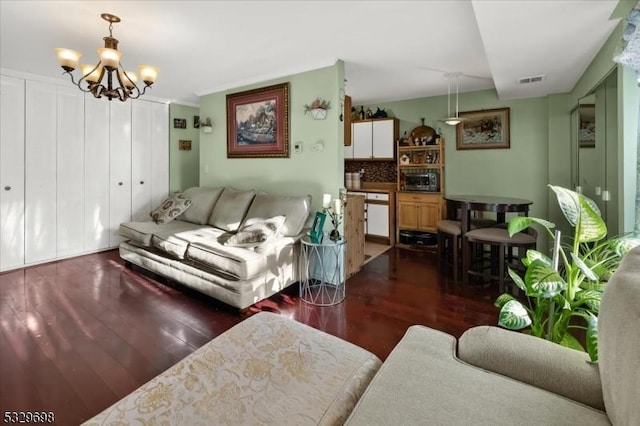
{"x":374,"y":171}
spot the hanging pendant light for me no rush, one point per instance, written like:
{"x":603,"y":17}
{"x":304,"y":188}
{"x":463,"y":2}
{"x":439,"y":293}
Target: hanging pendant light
{"x":452,"y":120}
{"x":119,"y":84}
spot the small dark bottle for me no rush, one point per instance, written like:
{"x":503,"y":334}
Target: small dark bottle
{"x":361,"y":113}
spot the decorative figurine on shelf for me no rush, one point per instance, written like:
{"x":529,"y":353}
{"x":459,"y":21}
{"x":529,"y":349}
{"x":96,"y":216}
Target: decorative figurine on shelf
{"x":380,"y":113}
{"x":334,"y":209}
{"x":368,"y":113}
{"x":361,"y":113}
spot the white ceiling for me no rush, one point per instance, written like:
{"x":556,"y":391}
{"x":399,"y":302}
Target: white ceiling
{"x":391,"y":49}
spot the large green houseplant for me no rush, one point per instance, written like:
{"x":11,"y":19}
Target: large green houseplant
{"x":565,"y":295}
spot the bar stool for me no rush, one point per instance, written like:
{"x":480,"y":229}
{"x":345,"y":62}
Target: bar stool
{"x":449,"y":247}
{"x":502,"y":246}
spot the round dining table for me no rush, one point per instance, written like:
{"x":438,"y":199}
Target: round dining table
{"x":484,"y":203}
{"x":465,"y":204}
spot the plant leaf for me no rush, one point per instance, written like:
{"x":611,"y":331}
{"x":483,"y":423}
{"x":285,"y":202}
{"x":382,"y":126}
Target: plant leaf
{"x":514,"y":316}
{"x":517,"y":280}
{"x":568,"y":201}
{"x":502,"y":300}
{"x":624,"y":244}
{"x":543,"y":280}
{"x":592,"y":337}
{"x":535,"y":254}
{"x":520,"y":223}
{"x":588,"y":285}
{"x":592,"y":227}
{"x":591,"y":298}
{"x":584,"y":268}
{"x":568,"y":341}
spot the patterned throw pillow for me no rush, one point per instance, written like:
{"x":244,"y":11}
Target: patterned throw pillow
{"x":170,"y":208}
{"x":256,"y":232}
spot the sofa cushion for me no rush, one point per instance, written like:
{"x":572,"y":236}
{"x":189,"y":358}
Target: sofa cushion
{"x":619,"y":342}
{"x":230,"y":209}
{"x":203,"y":199}
{"x":239,"y":262}
{"x":141,"y":232}
{"x":175,"y":243}
{"x":170,"y":208}
{"x":294,"y":208}
{"x":256,"y":232}
{"x":422,"y":382}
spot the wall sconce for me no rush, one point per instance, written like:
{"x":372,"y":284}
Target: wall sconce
{"x":206,"y":126}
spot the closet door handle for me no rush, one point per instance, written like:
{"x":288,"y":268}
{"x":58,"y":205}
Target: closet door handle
{"x":7,"y":188}
{"x":141,"y":182}
{"x":120,"y":183}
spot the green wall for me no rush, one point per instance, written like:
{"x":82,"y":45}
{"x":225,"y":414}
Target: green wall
{"x":520,"y":171}
{"x":183,"y":165}
{"x":309,"y":172}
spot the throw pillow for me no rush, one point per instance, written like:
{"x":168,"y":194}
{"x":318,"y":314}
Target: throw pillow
{"x":170,"y":208}
{"x":257,"y":232}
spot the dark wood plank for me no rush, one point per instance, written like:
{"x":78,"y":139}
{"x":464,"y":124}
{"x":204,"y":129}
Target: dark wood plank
{"x":79,"y":334}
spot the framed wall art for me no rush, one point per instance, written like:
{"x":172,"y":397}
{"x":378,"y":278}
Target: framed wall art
{"x":258,"y":122}
{"x":587,"y":129}
{"x":179,"y":123}
{"x":485,"y":129}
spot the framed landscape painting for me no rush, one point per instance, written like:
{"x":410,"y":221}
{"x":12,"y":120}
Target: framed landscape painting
{"x":484,"y":129}
{"x":258,"y":122}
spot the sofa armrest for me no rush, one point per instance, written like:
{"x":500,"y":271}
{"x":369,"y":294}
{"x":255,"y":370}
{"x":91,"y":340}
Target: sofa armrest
{"x":535,"y":361}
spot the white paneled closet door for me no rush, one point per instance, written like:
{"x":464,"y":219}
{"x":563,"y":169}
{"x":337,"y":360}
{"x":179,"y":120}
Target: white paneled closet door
{"x":11,"y":172}
{"x":70,"y":172}
{"x":96,"y":174}
{"x":141,"y":135}
{"x":119,"y":168}
{"x":40,"y":174}
{"x":159,"y":153}
{"x":149,"y":157}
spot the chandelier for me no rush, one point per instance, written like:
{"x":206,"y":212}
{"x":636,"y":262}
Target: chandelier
{"x":119,"y":84}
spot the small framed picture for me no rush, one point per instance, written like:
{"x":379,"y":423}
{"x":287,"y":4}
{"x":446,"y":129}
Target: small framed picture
{"x":179,"y":123}
{"x":184,"y":145}
{"x":196,"y":121}
{"x":316,"y":229}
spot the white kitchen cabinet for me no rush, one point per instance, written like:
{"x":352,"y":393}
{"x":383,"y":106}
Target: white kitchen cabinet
{"x":378,"y":220}
{"x":119,"y":169}
{"x":70,"y":172}
{"x":373,"y":139}
{"x":96,"y":174}
{"x":362,"y":139}
{"x":11,"y":172}
{"x":41,"y":102}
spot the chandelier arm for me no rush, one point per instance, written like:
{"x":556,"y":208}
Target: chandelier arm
{"x":78,"y":83}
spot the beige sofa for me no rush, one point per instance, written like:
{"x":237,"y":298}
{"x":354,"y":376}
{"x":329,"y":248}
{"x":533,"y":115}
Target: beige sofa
{"x":191,"y":249}
{"x":272,"y":370}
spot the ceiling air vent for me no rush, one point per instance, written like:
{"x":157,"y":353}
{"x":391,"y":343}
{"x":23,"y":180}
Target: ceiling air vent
{"x":533,"y":79}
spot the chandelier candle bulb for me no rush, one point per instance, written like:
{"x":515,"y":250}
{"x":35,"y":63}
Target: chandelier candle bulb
{"x":148,"y":74}
{"x":67,"y":58}
{"x":110,"y":58}
{"x":129,"y":79}
{"x":91,"y":75}
{"x":326,"y":201}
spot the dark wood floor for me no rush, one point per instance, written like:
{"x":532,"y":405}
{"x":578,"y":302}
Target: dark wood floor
{"x":79,"y":334}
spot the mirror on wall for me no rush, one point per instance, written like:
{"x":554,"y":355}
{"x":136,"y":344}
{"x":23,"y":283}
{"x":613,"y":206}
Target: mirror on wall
{"x":594,"y":140}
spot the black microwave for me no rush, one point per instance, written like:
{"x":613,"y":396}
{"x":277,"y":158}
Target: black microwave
{"x":428,"y":181}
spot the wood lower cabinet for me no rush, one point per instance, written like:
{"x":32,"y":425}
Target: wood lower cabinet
{"x":354,"y":230}
{"x":418,"y":211}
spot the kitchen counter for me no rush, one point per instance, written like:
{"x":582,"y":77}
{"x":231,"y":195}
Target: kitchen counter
{"x":377,"y":187}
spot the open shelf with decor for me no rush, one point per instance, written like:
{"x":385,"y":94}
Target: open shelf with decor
{"x":420,"y":205}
